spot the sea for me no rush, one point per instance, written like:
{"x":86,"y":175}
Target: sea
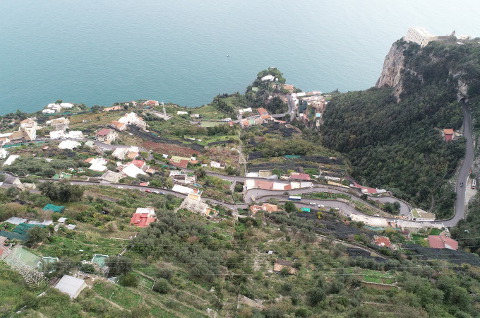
{"x":98,"y":52}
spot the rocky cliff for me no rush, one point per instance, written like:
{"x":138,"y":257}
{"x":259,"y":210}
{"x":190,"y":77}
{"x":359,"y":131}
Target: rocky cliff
{"x":393,"y":66}
{"x":407,"y":66}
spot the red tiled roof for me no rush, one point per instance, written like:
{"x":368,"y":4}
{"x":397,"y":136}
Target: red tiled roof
{"x":142,"y":219}
{"x":103,"y":132}
{"x":383,"y":241}
{"x":118,"y":124}
{"x":441,"y":241}
{"x":262,"y":111}
{"x":181,"y":164}
{"x":138,"y":163}
{"x":264,"y":185}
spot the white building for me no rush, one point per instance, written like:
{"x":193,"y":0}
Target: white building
{"x":181,"y":112}
{"x":57,"y":134}
{"x":216,"y":165}
{"x":419,"y":35}
{"x":11,"y":160}
{"x":75,"y":134}
{"x":269,"y":78}
{"x":133,"y":171}
{"x":3,"y":153}
{"x":149,"y":210}
{"x":133,"y":119}
{"x":69,"y":144}
{"x":98,"y":164}
{"x":71,"y":286}
{"x":181,"y":189}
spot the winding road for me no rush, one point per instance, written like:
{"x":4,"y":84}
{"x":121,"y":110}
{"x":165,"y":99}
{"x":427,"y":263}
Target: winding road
{"x":347,"y":209}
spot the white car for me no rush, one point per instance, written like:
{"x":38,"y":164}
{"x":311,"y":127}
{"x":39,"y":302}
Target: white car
{"x":313,"y":203}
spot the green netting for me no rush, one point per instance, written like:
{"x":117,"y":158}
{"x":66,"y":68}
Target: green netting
{"x":54,"y":208}
{"x":23,"y":228}
{"x":13,"y":236}
{"x":21,"y":256}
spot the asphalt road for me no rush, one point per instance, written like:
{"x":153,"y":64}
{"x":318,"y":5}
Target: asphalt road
{"x":460,"y":203}
{"x":264,"y":195}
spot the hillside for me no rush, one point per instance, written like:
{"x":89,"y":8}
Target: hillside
{"x":393,"y":133}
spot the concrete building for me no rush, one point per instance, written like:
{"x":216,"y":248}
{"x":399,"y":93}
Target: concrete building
{"x":419,"y":35}
{"x":106,"y":135}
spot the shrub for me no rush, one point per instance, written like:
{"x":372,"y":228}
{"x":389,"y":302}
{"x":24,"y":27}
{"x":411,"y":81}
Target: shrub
{"x":162,"y":286}
{"x":128,"y":280}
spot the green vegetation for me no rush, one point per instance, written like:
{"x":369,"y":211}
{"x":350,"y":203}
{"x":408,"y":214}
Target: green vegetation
{"x":399,"y":145}
{"x":267,"y":94}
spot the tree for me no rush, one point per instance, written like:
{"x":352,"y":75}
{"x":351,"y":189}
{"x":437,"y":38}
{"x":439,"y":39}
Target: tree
{"x":61,"y":191}
{"x":129,"y":280}
{"x":118,"y":265}
{"x":36,"y":235}
{"x":315,"y":296}
{"x":290,"y":207}
{"x":162,"y":286}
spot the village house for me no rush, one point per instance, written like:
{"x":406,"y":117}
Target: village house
{"x":143,"y":217}
{"x":126,"y":153}
{"x":448,"y":134}
{"x":97,"y":164}
{"x":267,"y":207}
{"x":245,"y":110}
{"x":180,"y":162}
{"x":382,"y":241}
{"x":11,"y":159}
{"x":184,"y":190}
{"x":113,"y":108}
{"x":299,"y":176}
{"x":59,"y":123}
{"x":194,"y":203}
{"x":182,"y":177}
{"x":29,"y":127}
{"x":75,"y":134}
{"x":151,"y":103}
{"x":268,"y":78}
{"x":442,"y":241}
{"x":132,"y":170}
{"x":133,"y":119}
{"x":181,"y":112}
{"x":118,"y":125}
{"x":216,"y":165}
{"x":57,"y":134}
{"x":69,"y":144}
{"x":106,"y":135}
{"x":57,"y":108}
{"x":140,"y":164}
{"x":3,"y":153}
{"x":112,"y":177}
{"x":5,"y":138}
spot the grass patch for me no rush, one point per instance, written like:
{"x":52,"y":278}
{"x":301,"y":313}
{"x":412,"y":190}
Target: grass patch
{"x":119,"y":295}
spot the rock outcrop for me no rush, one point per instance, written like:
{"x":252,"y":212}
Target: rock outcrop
{"x":392,"y":69}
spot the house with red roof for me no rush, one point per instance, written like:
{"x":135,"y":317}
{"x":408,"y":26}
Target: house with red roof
{"x":143,"y":217}
{"x":382,"y":241}
{"x":106,"y":135}
{"x":262,"y":111}
{"x":139,"y":164}
{"x":442,"y":241}
{"x":118,"y":125}
{"x":448,"y":134}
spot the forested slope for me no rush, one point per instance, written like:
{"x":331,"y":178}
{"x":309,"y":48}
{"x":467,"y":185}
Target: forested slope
{"x":396,"y":142}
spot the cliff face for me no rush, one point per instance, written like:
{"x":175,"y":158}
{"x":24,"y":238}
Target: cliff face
{"x":407,"y":63}
{"x":392,"y":69}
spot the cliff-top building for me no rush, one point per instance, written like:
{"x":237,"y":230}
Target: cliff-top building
{"x":419,"y":35}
